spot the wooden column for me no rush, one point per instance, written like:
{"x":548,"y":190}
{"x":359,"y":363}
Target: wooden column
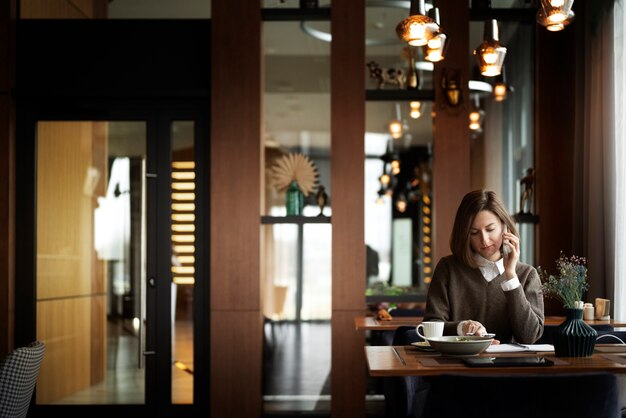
{"x":451,"y":141}
{"x":7,"y":174}
{"x":555,"y":88}
{"x":347,"y":177}
{"x":236,"y":322}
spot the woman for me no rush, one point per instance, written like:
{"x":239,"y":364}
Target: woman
{"x":479,"y":289}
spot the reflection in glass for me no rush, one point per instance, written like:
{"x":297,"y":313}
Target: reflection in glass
{"x":295,"y":257}
{"x":90,"y":261}
{"x":183,"y":259}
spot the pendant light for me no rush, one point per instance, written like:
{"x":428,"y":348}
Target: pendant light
{"x":500,"y":88}
{"x":556,"y":11}
{"x":416,"y":109}
{"x":435,"y":47}
{"x":490,"y":54}
{"x":476,"y":117}
{"x":555,"y":15}
{"x":417,"y":29}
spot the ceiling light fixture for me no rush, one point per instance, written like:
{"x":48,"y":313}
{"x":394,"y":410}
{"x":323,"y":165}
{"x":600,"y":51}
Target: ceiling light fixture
{"x":490,"y":54}
{"x":417,"y":29}
{"x":500,"y":88}
{"x":396,"y":130}
{"x":396,"y":127}
{"x":476,"y":117}
{"x":434,"y":51}
{"x":556,"y":11}
{"x":416,"y":109}
{"x":555,"y":15}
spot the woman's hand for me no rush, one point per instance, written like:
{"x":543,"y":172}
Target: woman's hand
{"x":511,"y":241}
{"x":473,"y":328}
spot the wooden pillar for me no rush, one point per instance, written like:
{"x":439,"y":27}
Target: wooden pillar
{"x":236,"y":322}
{"x":555,"y":88}
{"x":451,"y":141}
{"x":7,"y":174}
{"x":348,"y":224}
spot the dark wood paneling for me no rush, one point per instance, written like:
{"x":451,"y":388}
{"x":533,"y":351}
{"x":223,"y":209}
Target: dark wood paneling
{"x":236,"y":359}
{"x":554,"y":142}
{"x":7,"y":176}
{"x":7,"y":224}
{"x":451,"y":142}
{"x":349,"y":369}
{"x":348,"y":155}
{"x":347,"y":178}
{"x":235,"y":157}
{"x":236,"y":325}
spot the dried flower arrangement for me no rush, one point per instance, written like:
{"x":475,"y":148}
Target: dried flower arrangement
{"x":569,"y":284}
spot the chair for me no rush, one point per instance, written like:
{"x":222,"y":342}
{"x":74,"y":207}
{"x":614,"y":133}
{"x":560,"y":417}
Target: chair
{"x":18,"y":375}
{"x":582,"y":395}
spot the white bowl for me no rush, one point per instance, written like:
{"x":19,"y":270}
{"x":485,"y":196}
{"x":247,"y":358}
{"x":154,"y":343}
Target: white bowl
{"x":460,"y":346}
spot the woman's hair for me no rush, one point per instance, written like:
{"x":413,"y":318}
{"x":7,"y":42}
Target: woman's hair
{"x":472,"y":203}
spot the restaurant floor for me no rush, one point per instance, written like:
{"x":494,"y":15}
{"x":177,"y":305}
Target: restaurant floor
{"x":296,"y":374}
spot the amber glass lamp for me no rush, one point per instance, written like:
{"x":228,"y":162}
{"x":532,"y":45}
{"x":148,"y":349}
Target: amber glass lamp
{"x":434,"y":50}
{"x":550,"y":25}
{"x":500,"y":88}
{"x":556,"y":11}
{"x":417,"y":29}
{"x":490,"y":54}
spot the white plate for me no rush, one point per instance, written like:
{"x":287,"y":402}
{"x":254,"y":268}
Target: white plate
{"x":460,"y":346}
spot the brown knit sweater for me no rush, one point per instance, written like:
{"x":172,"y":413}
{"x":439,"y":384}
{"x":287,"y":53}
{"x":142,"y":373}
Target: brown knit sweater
{"x":458,"y":292}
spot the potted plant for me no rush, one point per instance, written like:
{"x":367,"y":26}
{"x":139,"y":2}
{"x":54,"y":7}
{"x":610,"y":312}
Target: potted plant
{"x":574,"y":337}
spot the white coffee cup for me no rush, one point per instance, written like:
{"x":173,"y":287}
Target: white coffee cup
{"x":430,"y":329}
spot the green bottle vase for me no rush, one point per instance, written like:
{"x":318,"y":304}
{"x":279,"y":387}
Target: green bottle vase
{"x":574,"y":338}
{"x":294,"y":200}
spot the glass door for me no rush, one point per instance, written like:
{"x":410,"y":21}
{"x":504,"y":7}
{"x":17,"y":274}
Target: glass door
{"x":117,"y":285}
{"x":91,"y":262}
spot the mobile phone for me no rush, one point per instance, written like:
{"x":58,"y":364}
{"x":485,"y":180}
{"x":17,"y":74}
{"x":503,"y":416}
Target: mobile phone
{"x":505,"y":250}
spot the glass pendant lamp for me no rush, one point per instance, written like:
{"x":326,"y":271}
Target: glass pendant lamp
{"x":490,"y":54}
{"x":417,"y":29}
{"x":434,"y":50}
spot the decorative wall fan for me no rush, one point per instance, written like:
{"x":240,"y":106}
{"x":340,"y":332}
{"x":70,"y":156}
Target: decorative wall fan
{"x":298,"y":168}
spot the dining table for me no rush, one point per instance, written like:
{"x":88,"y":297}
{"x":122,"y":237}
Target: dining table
{"x":389,"y":361}
{"x":370,"y":323}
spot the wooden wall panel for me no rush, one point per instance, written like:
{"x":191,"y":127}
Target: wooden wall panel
{"x":64,"y":211}
{"x":64,"y":325}
{"x":554,"y":142}
{"x":236,"y":359}
{"x":348,"y":223}
{"x":451,"y":141}
{"x":7,"y":175}
{"x":236,"y":320}
{"x":71,"y":298}
{"x":235,"y":156}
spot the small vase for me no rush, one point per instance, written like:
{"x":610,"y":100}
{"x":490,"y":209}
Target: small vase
{"x":574,"y":338}
{"x":294,"y":199}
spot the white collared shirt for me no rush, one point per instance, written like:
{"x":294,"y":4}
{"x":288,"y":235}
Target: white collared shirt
{"x":490,"y":270}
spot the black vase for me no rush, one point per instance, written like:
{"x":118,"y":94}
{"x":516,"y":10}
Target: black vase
{"x":574,"y":338}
